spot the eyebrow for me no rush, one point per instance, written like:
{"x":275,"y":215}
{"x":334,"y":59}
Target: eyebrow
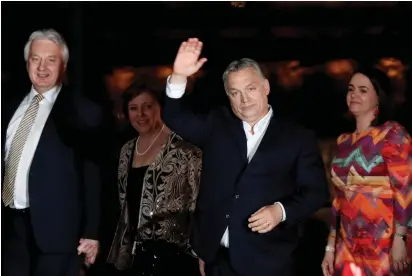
{"x":36,"y":55}
{"x":360,"y":86}
{"x":249,"y":84}
{"x":141,"y":103}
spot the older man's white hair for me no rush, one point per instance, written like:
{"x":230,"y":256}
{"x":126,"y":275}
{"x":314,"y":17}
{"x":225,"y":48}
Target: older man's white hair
{"x":47,"y":34}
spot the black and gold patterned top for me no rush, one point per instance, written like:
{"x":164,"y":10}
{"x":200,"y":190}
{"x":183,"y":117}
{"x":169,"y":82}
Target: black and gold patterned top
{"x":168,"y":198}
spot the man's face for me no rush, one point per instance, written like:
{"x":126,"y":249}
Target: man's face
{"x":45,"y":65}
{"x":248,"y":94}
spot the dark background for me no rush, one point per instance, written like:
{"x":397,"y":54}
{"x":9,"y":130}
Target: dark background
{"x":104,"y":35}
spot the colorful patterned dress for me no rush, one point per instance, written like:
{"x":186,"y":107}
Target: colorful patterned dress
{"x":372,"y":175}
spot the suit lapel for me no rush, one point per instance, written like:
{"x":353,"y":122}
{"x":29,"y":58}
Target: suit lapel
{"x":55,"y":126}
{"x":238,"y":133}
{"x":269,"y":138}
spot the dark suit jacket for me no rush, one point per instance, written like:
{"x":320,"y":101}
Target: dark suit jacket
{"x":64,"y":182}
{"x":287,"y":167}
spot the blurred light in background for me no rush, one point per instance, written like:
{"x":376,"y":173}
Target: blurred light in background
{"x":340,"y":69}
{"x":395,"y":69}
{"x":290,"y":74}
{"x":120,"y":79}
{"x":162,"y":72}
{"x":238,"y":4}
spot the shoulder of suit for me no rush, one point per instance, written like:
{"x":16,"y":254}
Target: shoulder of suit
{"x":293,"y":128}
{"x":220,"y":111}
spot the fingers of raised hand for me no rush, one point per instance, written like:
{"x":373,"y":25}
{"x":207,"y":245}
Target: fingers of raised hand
{"x":187,"y":61}
{"x":182,"y":47}
{"x":192,"y":45}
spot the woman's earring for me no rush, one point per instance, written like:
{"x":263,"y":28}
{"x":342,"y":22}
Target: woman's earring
{"x":376,"y":112}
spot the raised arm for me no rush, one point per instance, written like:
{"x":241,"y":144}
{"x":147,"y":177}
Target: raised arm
{"x":183,"y":121}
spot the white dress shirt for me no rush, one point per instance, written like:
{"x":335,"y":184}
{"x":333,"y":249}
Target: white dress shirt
{"x":176,"y":91}
{"x":21,"y":198}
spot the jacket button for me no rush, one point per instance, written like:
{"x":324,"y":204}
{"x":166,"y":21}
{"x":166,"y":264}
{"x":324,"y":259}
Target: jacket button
{"x":227,"y":216}
{"x":236,"y":196}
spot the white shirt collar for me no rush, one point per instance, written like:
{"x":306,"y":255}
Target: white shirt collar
{"x":50,"y":95}
{"x":261,"y":124}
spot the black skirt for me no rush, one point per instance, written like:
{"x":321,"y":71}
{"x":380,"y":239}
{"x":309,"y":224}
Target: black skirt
{"x":160,"y":258}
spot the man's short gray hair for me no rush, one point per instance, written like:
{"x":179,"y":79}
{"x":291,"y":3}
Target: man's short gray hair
{"x":47,"y":34}
{"x":238,"y":65}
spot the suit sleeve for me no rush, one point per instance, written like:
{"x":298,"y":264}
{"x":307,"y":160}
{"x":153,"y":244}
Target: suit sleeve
{"x":94,"y":155}
{"x":312,"y":188}
{"x":191,"y":127}
{"x":91,"y":200}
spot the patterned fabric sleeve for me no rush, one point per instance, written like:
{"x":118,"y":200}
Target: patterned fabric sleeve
{"x":334,"y":220}
{"x":334,"y":209}
{"x":123,"y":169}
{"x":195,"y":169}
{"x":397,"y":155}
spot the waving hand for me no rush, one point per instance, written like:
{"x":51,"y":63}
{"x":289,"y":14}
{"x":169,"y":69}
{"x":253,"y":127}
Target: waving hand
{"x":187,"y":60}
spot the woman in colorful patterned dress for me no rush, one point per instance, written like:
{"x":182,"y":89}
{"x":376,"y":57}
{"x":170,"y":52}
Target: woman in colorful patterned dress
{"x":372,"y":176}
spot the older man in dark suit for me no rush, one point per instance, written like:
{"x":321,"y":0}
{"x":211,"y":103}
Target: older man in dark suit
{"x":261,"y":175}
{"x":50,"y":178}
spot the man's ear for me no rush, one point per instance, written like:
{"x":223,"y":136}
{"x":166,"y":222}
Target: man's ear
{"x":266,"y":85}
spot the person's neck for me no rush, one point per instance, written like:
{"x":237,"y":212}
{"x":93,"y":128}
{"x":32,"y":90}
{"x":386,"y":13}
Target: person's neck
{"x":363,"y":122}
{"x":43,"y":90}
{"x":254,"y":122}
{"x":152,"y":133}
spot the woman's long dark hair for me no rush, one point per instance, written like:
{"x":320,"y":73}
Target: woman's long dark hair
{"x":382,"y":85}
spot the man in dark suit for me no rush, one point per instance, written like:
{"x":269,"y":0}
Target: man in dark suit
{"x":50,"y":177}
{"x":261,"y":175}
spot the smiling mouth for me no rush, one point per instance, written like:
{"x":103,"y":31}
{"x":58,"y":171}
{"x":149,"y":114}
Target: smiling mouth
{"x":43,"y":75}
{"x":246,"y":107}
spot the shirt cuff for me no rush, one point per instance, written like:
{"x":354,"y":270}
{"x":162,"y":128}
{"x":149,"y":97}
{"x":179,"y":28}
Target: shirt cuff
{"x":283,"y":211}
{"x":194,"y":253}
{"x":175,"y":91}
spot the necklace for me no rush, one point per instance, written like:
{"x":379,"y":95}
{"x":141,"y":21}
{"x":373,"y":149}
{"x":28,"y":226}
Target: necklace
{"x":137,"y":141}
